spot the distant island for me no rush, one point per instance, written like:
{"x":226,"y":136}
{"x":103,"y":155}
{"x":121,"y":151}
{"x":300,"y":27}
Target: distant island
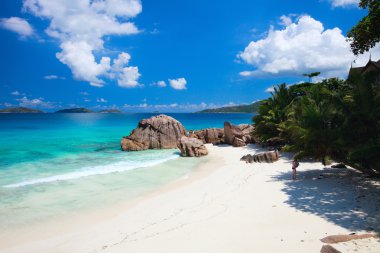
{"x":252,"y":108}
{"x":20,"y":110}
{"x":110,"y":111}
{"x":75,"y":110}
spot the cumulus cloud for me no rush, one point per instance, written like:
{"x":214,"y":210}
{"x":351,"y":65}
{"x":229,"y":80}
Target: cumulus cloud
{"x":81,"y":26}
{"x":344,"y":3}
{"x":302,"y":46}
{"x":269,"y":89}
{"x":178,"y":84}
{"x":128,"y":77}
{"x":35,"y":102}
{"x":101,"y":100}
{"x":17,"y":25}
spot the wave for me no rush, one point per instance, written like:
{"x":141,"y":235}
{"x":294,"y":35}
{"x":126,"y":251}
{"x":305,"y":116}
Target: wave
{"x":92,"y":171}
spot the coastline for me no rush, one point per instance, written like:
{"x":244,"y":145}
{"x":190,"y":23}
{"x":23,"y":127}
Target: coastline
{"x":224,"y":205}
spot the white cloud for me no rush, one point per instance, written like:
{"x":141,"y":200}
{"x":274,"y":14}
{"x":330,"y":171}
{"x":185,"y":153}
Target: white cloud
{"x":101,"y":100}
{"x":160,"y":84}
{"x":17,"y":93}
{"x":173,"y":107}
{"x":81,"y":26}
{"x":122,"y":60}
{"x":36,"y":102}
{"x":285,"y":20}
{"x":84,"y":93}
{"x":128,"y":77}
{"x":344,"y":3}
{"x":269,"y":89}
{"x":17,"y":25}
{"x":52,"y":77}
{"x":302,"y":46}
{"x":178,"y":84}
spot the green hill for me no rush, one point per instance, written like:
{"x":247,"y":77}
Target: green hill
{"x":20,"y":110}
{"x":75,"y":110}
{"x":252,"y":108}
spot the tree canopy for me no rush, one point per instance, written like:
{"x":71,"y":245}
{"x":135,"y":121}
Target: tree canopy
{"x":366,"y":33}
{"x":311,"y":75}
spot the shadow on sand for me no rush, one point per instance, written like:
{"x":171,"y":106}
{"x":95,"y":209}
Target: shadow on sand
{"x":341,"y":196}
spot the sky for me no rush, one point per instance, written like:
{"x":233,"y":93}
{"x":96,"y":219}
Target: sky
{"x":168,"y":56}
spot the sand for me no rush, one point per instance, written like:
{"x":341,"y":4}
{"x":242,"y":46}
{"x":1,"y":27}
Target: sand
{"x":226,"y":206}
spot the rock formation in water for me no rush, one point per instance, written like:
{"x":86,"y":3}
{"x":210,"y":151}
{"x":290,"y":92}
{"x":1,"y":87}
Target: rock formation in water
{"x":238,"y":136}
{"x":209,"y":135}
{"x":266,"y":157}
{"x":157,"y":132}
{"x":191,"y":147}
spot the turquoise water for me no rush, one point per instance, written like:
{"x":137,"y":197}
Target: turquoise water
{"x":54,"y":164}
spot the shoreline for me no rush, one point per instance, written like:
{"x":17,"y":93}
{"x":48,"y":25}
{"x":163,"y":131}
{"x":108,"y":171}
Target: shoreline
{"x":224,"y":205}
{"x":86,"y":218}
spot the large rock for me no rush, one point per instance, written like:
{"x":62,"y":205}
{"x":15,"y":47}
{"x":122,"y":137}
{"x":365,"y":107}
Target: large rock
{"x":158,"y":132}
{"x":238,"y":136}
{"x":266,"y":157}
{"x":191,"y":147}
{"x":209,"y":135}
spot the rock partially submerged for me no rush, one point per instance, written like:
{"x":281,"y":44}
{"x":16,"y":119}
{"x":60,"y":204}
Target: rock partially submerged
{"x":238,"y":136}
{"x":157,"y":132}
{"x":191,"y":147}
{"x":209,"y":135}
{"x":265,"y":157}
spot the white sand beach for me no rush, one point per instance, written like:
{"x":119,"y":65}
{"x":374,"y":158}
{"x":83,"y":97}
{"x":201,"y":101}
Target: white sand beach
{"x":225,"y":206}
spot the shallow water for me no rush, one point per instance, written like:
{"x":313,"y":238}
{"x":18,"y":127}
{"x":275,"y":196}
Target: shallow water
{"x":55,"y":164}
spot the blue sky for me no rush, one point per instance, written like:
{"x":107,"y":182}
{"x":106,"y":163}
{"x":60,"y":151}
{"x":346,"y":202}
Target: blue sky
{"x":167,"y":55}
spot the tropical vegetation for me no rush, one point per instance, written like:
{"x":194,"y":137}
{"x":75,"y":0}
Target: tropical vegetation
{"x":366,"y":33}
{"x":329,"y":120}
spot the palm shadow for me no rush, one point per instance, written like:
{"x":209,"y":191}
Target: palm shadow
{"x":341,"y":196}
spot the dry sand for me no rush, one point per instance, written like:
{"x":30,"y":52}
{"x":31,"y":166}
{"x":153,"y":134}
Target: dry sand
{"x":227,"y":206}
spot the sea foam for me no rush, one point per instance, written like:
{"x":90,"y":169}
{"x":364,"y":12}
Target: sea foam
{"x":94,"y":170}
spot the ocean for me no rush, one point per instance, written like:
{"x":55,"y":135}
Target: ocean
{"x":52,"y":165}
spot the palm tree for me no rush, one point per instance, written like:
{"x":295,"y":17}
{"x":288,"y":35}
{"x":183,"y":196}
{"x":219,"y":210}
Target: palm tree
{"x":313,"y":125}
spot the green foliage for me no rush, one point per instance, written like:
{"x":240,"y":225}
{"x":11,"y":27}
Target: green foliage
{"x":272,"y":112}
{"x":366,"y":33}
{"x":332,"y":119}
